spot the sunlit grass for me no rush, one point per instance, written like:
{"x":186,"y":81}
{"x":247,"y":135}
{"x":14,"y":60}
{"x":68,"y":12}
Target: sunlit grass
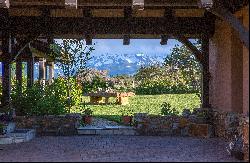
{"x":144,"y":104}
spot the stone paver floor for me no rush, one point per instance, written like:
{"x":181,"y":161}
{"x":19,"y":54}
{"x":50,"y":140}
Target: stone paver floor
{"x":116,"y":148}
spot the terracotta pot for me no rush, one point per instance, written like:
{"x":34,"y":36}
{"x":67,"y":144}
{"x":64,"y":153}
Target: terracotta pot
{"x":126,"y":120}
{"x":87,"y":119}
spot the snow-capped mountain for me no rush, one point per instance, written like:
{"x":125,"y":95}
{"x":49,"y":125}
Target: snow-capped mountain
{"x":123,"y":63}
{"x":116,"y":64}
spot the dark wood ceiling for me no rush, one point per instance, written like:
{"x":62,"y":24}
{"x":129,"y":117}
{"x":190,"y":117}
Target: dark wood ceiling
{"x":110,"y":18}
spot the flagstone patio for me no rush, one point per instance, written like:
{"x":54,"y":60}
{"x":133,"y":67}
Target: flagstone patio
{"x":116,"y":148}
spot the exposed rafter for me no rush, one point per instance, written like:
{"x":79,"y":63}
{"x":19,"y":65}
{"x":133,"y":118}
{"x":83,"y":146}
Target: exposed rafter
{"x":126,"y":40}
{"x":88,"y":39}
{"x":164,"y":40}
{"x":198,"y":54}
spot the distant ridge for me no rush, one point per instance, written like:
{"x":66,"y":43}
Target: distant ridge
{"x":116,"y":64}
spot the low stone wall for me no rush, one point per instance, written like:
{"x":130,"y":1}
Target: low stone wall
{"x":232,"y":126}
{"x":227,"y":124}
{"x":50,"y":125}
{"x":190,"y":125}
{"x":245,"y":130}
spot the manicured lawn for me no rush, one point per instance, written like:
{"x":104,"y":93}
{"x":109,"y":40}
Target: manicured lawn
{"x":144,"y":104}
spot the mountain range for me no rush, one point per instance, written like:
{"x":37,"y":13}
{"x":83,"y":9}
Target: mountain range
{"x":116,"y":64}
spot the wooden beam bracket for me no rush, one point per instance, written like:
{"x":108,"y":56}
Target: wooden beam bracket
{"x":40,"y":46}
{"x":198,"y":54}
{"x":221,"y":9}
{"x":21,"y":45}
{"x":227,"y":16}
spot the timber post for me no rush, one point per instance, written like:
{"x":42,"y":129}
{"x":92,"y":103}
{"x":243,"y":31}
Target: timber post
{"x":205,"y":71}
{"x":6,"y":69}
{"x":6,"y":58}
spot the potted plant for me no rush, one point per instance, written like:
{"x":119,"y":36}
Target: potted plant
{"x":87,"y":114}
{"x":127,"y":116}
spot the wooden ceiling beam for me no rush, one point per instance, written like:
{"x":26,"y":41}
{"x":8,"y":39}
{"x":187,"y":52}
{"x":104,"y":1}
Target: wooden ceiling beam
{"x":161,"y":26}
{"x":159,"y":3}
{"x":23,"y":3}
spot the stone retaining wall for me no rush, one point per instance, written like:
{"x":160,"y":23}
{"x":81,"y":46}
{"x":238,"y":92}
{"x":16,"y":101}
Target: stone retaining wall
{"x":189,"y":125}
{"x":227,"y":124}
{"x":50,"y":125}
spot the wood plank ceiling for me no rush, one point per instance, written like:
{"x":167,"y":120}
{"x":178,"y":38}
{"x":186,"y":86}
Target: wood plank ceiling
{"x":108,"y":18}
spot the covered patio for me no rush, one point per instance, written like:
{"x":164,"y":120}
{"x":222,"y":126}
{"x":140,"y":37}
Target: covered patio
{"x":221,"y":25}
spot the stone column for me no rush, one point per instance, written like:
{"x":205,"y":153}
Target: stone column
{"x":42,"y":67}
{"x":51,"y":71}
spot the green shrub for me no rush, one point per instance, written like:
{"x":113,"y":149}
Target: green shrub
{"x":167,"y":110}
{"x":95,"y":84}
{"x":45,"y":100}
{"x":84,"y":109}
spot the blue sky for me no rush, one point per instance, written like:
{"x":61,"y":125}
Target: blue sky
{"x":147,"y":46}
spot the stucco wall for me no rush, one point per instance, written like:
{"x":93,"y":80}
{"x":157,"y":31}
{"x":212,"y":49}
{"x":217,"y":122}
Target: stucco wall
{"x":220,"y":66}
{"x":246,"y":66}
{"x":229,"y":61}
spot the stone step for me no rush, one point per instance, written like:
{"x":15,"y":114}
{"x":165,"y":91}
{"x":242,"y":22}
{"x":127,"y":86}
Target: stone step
{"x":10,"y":127}
{"x":18,"y":136}
{"x":107,"y":130}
